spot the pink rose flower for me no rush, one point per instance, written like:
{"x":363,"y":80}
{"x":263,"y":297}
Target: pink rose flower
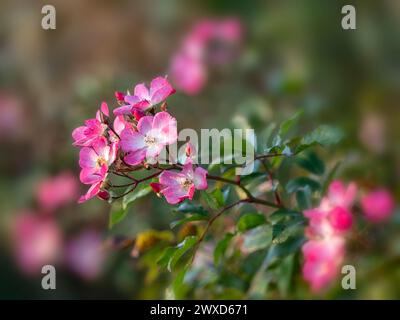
{"x":378,"y":205}
{"x":57,"y":191}
{"x":145,"y":98}
{"x":324,"y":252}
{"x":178,"y":186}
{"x":37,"y":242}
{"x":153,"y":134}
{"x":94,"y":162}
{"x":322,"y":261}
{"x":92,"y":130}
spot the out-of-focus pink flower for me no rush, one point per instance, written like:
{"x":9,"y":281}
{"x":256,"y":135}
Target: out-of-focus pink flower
{"x":341,"y":219}
{"x":189,"y":74}
{"x":85,"y":256}
{"x":37,"y":242}
{"x":322,"y":261}
{"x":378,"y":205}
{"x":144,"y":98}
{"x":340,"y":195}
{"x":92,"y":130}
{"x":57,"y":191}
{"x":328,"y":223}
{"x":372,"y":132}
{"x":178,"y":186}
{"x":11,"y":116}
{"x":153,"y":134}
{"x":189,"y":66}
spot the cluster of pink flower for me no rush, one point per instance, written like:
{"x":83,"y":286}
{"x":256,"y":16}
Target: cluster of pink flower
{"x":325,"y":249}
{"x":189,"y":65}
{"x":137,"y":136}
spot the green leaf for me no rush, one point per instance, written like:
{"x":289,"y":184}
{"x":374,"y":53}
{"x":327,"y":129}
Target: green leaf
{"x":245,"y":180}
{"x":303,"y":198}
{"x":300,"y":183}
{"x":258,"y":238}
{"x":188,"y":207}
{"x":117,"y":214}
{"x":172,"y":255}
{"x":284,"y":230}
{"x":281,"y":214}
{"x":140,"y":191}
{"x":250,"y":221}
{"x":286,"y":248}
{"x":166,"y":256}
{"x":178,"y":286}
{"x":219,"y":197}
{"x":324,"y":135}
{"x":221,"y":247}
{"x":289,"y":123}
{"x":214,"y":199}
{"x":311,"y":163}
{"x":194,"y":217}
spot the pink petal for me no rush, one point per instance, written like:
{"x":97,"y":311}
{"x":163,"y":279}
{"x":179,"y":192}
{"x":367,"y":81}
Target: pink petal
{"x":100,"y":147}
{"x":141,"y":92}
{"x":87,"y":158}
{"x":153,"y":152}
{"x":79,"y":136}
{"x":165,"y":124}
{"x":145,"y":124}
{"x":113,"y":153}
{"x":93,"y":175}
{"x":104,"y":109}
{"x":132,"y":100}
{"x":93,"y":191}
{"x":200,"y":180}
{"x":171,"y":178}
{"x":160,"y":89}
{"x":135,"y":157}
{"x":123,"y":110}
{"x":174,"y":195}
{"x":142,"y":105}
{"x":131,"y":140}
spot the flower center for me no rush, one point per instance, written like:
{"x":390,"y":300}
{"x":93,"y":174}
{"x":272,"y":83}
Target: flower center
{"x":149,"y":141}
{"x":101,"y":161}
{"x":186,"y":183}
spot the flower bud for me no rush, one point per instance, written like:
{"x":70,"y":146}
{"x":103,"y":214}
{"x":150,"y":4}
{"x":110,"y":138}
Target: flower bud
{"x":138,"y":114}
{"x":120,"y":96}
{"x":104,"y":195}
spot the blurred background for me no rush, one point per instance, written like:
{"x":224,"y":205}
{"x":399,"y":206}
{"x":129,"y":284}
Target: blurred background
{"x":277,"y":57}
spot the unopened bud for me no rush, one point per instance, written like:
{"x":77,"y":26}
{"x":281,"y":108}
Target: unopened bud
{"x":120,"y":96}
{"x":104,"y":195}
{"x":138,"y":114}
{"x":156,"y":187}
